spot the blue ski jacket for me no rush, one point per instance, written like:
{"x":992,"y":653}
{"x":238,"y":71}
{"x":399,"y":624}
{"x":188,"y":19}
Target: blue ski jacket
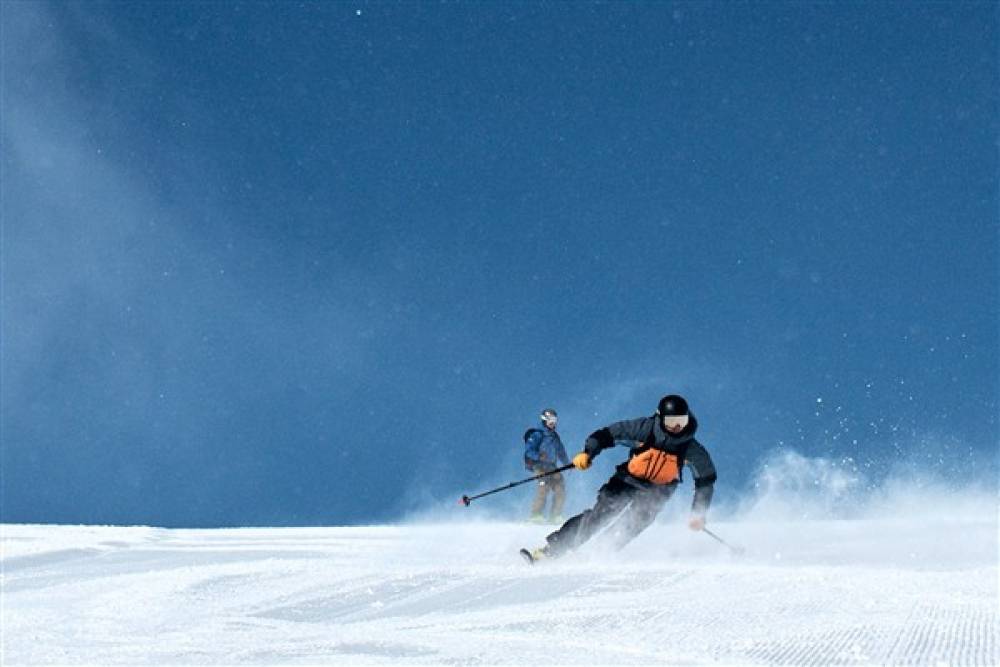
{"x":544,"y":449}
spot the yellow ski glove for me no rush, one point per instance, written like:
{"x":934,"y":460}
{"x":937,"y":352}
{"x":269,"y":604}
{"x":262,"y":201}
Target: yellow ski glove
{"x":582,"y":461}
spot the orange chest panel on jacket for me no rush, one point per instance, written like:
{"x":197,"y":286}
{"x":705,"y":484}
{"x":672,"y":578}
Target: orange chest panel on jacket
{"x":654,"y":465}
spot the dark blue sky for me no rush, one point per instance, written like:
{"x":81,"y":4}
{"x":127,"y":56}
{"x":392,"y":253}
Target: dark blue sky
{"x":322,"y":263}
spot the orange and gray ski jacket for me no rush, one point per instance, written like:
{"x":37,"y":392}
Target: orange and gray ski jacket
{"x":657,"y":457}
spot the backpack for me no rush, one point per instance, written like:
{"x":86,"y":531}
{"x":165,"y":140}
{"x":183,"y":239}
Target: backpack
{"x":527,"y":434}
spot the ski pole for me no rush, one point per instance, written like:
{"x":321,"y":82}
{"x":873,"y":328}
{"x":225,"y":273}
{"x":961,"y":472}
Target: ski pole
{"x":467,"y":500}
{"x":736,"y":550}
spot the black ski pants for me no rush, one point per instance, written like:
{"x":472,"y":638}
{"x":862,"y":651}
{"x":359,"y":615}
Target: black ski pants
{"x":624,"y":509}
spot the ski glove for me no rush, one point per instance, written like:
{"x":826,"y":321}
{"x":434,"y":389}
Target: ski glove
{"x":582,"y":461}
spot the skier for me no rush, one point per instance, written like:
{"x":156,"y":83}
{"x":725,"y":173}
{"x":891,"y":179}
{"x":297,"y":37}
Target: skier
{"x":543,"y":450}
{"x":631,"y":499}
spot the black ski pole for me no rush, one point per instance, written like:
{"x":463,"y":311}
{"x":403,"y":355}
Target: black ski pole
{"x":736,"y":550}
{"x":467,"y":500}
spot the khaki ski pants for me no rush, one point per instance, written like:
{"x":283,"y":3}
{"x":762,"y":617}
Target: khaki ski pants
{"x":552,"y":485}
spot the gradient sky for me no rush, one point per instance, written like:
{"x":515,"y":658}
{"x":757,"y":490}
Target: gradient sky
{"x":323,"y":263}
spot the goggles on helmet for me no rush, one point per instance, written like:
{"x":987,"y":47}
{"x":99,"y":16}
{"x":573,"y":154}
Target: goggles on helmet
{"x":673,"y":421}
{"x":549,"y":418}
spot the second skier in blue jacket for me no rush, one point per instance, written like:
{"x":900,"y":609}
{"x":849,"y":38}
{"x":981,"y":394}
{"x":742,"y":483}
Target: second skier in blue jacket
{"x":544,"y":452}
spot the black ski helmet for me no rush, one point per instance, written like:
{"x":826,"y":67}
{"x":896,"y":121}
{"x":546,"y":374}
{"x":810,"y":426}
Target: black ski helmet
{"x":672,"y":406}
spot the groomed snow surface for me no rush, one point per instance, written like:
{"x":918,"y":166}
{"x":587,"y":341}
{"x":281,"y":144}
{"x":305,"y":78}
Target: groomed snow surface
{"x":913,"y":590}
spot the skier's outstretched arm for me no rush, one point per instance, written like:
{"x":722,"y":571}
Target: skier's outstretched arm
{"x":700,"y":463}
{"x":603,"y":438}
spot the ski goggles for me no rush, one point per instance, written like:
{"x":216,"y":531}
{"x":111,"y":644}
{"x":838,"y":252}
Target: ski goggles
{"x":549,"y":418}
{"x":674,"y":421}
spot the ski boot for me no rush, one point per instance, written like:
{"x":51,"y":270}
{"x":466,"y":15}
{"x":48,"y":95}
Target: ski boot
{"x":535,"y":555}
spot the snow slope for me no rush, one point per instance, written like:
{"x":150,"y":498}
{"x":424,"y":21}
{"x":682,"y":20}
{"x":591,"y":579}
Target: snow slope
{"x":900,"y":591}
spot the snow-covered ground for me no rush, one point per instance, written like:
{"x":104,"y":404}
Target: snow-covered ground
{"x":918,"y":590}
